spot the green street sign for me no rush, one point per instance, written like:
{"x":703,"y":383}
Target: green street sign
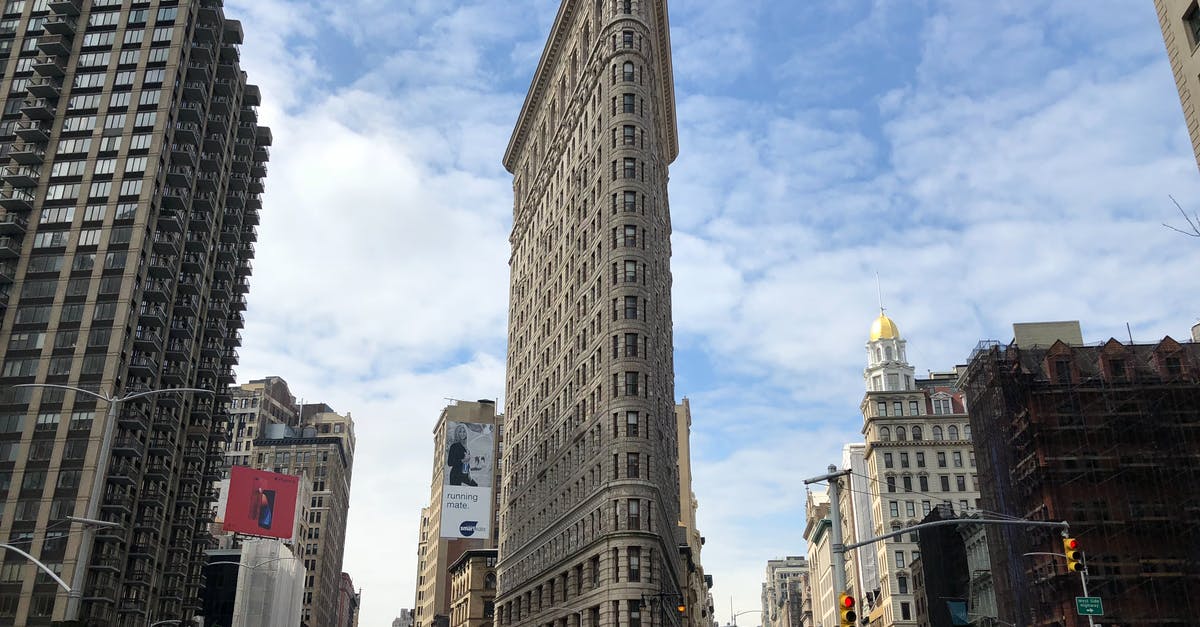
{"x":1089,"y":606}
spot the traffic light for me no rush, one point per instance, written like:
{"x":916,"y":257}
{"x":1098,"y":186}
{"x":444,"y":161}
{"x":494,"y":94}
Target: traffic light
{"x":1074,"y":555}
{"x":847,"y":617}
{"x":682,"y":609}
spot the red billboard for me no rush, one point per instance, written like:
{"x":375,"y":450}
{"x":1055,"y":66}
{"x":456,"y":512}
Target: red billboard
{"x":261,"y":503}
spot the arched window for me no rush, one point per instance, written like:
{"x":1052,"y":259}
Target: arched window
{"x":937,"y":433}
{"x":627,"y":72}
{"x":901,"y":434}
{"x":885,"y":434}
{"x":917,"y":435}
{"x":888,"y":352}
{"x":489,"y":580}
{"x":966,"y":432}
{"x":878,"y":354}
{"x":953,"y":432}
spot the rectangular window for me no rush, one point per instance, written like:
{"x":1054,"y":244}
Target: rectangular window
{"x":898,"y":408}
{"x":914,"y":408}
{"x":957,"y":456}
{"x":635,"y":563}
{"x":900,"y":559}
{"x":627,"y":103}
{"x":941,"y":459}
{"x":960,"y":481}
{"x":910,"y":509}
{"x":894,"y":508}
{"x":924,"y":483}
{"x":881,"y":408}
{"x":888,"y":461}
{"x":945,"y":480}
{"x":904,"y":460}
{"x":920,"y":460}
{"x":631,"y":424}
{"x":635,"y":514}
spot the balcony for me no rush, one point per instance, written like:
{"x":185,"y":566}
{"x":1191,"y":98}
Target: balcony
{"x":49,"y":65}
{"x":34,"y":130}
{"x":102,"y":592}
{"x":161,"y":266}
{"x":138,"y":578}
{"x":65,"y":7}
{"x":38,"y":108}
{"x":142,"y":366}
{"x":64,"y":25}
{"x":196,"y":92}
{"x":204,"y":201}
{"x":186,"y":308}
{"x":13,"y":224}
{"x":16,"y":199}
{"x":7,"y":272}
{"x":202,"y":219}
{"x":155,"y":496}
{"x":150,"y":519}
{"x":21,"y":175}
{"x":10,"y":248}
{"x":163,"y":445}
{"x":118,"y":501}
{"x":29,"y":153}
{"x":133,"y":416}
{"x":189,"y":284}
{"x":183,"y":154}
{"x":214,"y":142}
{"x":199,"y":71}
{"x":168,"y":244}
{"x":174,"y":373}
{"x":233,"y":339}
{"x":55,"y":45}
{"x":164,"y":420}
{"x":187,"y":133}
{"x":132,"y":606}
{"x":182,"y":328}
{"x":107,"y":562}
{"x":128,"y":446}
{"x":168,"y":223}
{"x":46,"y":87}
{"x":203,"y":52}
{"x":180,"y":175}
{"x":175,"y":198}
{"x":123,"y":473}
{"x":158,"y":471}
{"x":153,"y":316}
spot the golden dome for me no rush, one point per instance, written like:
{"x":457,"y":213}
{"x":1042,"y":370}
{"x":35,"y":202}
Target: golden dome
{"x":884,"y":329}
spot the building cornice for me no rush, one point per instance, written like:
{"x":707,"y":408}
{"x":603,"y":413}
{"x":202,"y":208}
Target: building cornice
{"x":550,"y":59}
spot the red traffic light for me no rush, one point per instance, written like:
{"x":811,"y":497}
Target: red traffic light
{"x":847,"y":601}
{"x":1070,"y":544}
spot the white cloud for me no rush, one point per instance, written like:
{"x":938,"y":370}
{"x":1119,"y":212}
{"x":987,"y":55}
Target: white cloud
{"x":999,"y":163}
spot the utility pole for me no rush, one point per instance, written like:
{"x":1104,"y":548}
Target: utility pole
{"x":837,"y":549}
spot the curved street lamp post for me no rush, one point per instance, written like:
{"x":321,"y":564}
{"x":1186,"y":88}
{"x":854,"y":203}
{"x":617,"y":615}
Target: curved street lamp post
{"x":89,"y":521}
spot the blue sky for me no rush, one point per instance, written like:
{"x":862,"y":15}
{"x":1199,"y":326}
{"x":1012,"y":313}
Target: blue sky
{"x":994,"y":162}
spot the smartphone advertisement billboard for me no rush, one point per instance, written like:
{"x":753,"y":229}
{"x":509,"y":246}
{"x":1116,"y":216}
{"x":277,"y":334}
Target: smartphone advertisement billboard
{"x":467,"y":480}
{"x":261,"y":503}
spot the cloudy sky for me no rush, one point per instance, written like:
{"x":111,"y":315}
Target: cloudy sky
{"x":994,"y":162}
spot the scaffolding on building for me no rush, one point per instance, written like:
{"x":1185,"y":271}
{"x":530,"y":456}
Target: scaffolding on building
{"x":1107,"y":438}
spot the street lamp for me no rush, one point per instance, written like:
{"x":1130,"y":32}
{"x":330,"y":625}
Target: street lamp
{"x":45,"y":569}
{"x":75,"y":591}
{"x":733,"y":618}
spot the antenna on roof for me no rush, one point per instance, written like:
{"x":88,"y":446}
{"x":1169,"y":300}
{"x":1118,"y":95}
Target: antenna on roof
{"x":879,"y":293}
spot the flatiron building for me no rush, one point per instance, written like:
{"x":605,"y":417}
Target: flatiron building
{"x":589,"y":507}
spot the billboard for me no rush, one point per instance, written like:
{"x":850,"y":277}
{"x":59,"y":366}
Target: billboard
{"x":467,"y":480}
{"x":261,"y":503}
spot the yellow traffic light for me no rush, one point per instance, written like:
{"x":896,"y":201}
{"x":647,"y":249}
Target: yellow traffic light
{"x":1074,"y":555}
{"x":682,"y":608}
{"x":847,"y":617}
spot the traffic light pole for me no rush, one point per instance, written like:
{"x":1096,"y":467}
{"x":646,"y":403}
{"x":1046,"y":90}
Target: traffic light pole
{"x":1082,"y":577}
{"x":837,"y":548}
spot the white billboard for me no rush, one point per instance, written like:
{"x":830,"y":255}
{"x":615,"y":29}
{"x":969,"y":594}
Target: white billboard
{"x":467,"y":480}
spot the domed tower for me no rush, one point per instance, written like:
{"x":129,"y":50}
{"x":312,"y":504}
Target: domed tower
{"x":887,"y":362}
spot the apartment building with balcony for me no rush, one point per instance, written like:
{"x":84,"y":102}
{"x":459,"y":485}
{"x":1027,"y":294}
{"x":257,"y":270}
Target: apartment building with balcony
{"x":131,"y":169}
